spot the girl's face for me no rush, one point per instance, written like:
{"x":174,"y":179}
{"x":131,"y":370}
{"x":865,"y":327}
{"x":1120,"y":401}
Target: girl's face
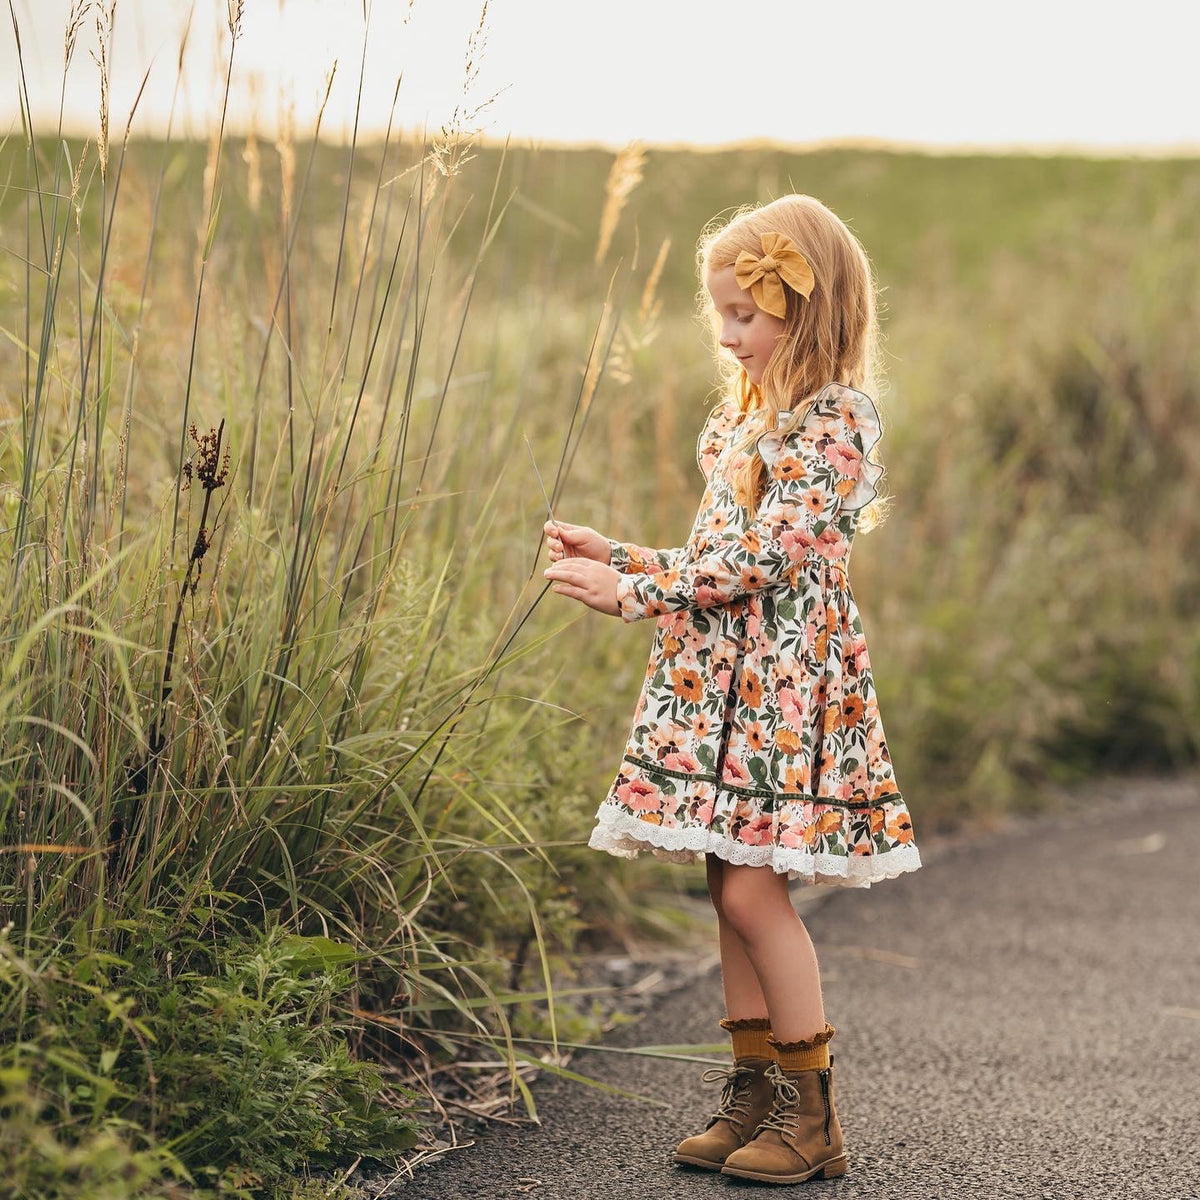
{"x":746,"y":330}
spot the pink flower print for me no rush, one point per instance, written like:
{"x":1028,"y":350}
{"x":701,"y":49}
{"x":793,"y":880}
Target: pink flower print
{"x":734,"y":770}
{"x":723,"y":677}
{"x":705,"y":812}
{"x":681,"y":761}
{"x":707,"y":596}
{"x":859,"y":653}
{"x":753,"y":625}
{"x":796,"y":542}
{"x":846,"y":460}
{"x":701,"y":725}
{"x":845,"y":790}
{"x":831,"y":544}
{"x":792,"y":835}
{"x":756,"y":832}
{"x":639,"y":796}
{"x":789,"y":705}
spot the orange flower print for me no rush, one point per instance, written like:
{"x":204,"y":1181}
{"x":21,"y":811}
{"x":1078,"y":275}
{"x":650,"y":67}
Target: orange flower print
{"x":717,"y":522}
{"x":833,"y":718}
{"x":789,"y":741}
{"x":821,"y":643}
{"x":810,"y":833}
{"x":814,"y":500}
{"x":654,"y":818}
{"x":795,"y":779}
{"x":750,"y":542}
{"x":789,"y":467}
{"x":671,"y":646}
{"x":827,"y":822}
{"x":876,"y":820}
{"x":701,"y":725}
{"x":900,"y":828}
{"x":753,"y":579}
{"x":852,"y":710}
{"x":751,"y":690}
{"x":686,"y":684}
{"x":756,"y":735}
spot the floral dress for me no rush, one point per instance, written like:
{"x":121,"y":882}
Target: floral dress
{"x":757,"y":735}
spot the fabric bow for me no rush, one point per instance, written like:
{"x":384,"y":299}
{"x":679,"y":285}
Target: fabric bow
{"x":780,"y":263}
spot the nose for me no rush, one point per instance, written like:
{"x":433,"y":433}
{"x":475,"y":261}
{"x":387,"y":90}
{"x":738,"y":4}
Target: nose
{"x":728,"y":340}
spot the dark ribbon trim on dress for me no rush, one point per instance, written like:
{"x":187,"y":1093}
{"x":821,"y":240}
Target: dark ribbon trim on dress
{"x":786,"y":797}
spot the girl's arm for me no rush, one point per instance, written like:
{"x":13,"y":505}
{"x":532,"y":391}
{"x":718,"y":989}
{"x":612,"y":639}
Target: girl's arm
{"x":804,"y":512}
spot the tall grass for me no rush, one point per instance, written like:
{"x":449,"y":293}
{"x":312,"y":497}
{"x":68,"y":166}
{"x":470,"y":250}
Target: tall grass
{"x":245,"y":688}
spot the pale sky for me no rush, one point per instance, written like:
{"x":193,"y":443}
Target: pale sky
{"x":1028,"y":74}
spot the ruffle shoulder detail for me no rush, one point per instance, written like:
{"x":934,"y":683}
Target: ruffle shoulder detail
{"x":845,"y":423}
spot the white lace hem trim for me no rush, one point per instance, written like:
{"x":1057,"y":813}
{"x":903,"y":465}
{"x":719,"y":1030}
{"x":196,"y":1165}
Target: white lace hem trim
{"x":624,"y":835}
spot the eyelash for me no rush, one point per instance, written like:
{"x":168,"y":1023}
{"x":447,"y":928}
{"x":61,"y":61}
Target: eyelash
{"x":745,"y":320}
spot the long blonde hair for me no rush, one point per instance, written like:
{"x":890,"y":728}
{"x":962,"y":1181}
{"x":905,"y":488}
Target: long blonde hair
{"x":832,"y":337}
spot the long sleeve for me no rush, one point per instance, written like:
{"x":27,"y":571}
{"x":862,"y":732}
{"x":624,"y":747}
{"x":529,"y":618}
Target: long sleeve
{"x":632,"y":559}
{"x":816,"y":473}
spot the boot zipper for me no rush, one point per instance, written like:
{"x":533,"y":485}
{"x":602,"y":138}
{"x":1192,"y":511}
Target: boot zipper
{"x":825,"y":1097}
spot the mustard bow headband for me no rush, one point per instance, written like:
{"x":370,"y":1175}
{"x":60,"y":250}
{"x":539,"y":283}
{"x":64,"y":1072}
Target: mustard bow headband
{"x":780,"y":263}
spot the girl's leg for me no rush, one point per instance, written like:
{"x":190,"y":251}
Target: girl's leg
{"x":755,"y":904}
{"x":743,"y":994}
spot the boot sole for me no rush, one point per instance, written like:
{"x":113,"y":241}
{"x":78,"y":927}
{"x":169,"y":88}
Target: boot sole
{"x":706,"y":1163}
{"x":827,"y":1170}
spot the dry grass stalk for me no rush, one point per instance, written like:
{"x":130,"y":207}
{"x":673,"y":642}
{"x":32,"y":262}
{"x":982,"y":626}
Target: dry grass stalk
{"x":285,"y":147}
{"x":251,"y":153}
{"x":451,"y":148}
{"x":75,"y":18}
{"x":651,"y":304}
{"x":624,"y":175}
{"x":104,"y":25}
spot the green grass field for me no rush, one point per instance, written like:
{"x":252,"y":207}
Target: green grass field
{"x":299,"y":761}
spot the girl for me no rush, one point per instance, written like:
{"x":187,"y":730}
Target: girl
{"x":757,"y":740}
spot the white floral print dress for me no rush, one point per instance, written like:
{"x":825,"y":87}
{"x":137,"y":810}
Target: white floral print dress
{"x":757,"y":735}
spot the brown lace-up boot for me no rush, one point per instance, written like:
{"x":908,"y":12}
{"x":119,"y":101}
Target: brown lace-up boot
{"x":745,"y":1098}
{"x":800,"y":1137}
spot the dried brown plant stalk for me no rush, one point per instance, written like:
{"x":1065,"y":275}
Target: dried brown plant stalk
{"x":624,"y":175}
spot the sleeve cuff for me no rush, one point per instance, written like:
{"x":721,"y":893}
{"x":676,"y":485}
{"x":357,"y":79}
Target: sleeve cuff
{"x":619,"y":554}
{"x":630,"y":600}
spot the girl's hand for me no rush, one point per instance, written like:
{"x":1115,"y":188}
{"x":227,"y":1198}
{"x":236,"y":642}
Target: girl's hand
{"x":592,"y":583}
{"x":576,"y":541}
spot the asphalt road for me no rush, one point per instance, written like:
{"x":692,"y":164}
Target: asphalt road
{"x":1021,"y":1017}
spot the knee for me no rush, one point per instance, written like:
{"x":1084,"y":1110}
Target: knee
{"x":750,"y":894}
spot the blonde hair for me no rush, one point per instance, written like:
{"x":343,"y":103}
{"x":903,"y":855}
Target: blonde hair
{"x":832,"y":337}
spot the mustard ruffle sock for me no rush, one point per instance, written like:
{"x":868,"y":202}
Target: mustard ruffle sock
{"x":749,"y":1036}
{"x":806,"y":1054}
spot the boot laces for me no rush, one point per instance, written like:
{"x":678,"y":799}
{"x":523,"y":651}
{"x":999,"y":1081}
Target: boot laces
{"x":784,"y":1115}
{"x":735,"y":1094}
